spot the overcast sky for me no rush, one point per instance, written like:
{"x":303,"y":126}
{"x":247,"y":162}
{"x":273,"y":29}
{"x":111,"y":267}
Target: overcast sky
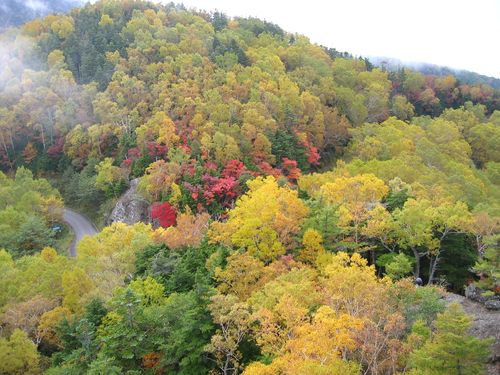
{"x":455,"y":33}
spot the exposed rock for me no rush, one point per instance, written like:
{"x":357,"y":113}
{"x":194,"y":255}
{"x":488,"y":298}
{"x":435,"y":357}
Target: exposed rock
{"x":492,"y":304}
{"x":131,"y":208}
{"x":473,"y":293}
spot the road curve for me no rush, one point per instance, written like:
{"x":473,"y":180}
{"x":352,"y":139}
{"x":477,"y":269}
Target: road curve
{"x":80,"y":225}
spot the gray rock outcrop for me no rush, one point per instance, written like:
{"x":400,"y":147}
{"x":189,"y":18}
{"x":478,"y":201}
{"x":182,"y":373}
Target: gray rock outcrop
{"x":131,"y":208}
{"x":475,"y":294}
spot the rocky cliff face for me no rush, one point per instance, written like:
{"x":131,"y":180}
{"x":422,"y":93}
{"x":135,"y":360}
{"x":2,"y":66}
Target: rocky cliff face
{"x":131,"y":208}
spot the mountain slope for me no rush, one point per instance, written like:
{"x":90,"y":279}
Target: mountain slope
{"x":255,"y":262}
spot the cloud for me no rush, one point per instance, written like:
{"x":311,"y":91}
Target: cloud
{"x":36,"y":5}
{"x":17,"y":54}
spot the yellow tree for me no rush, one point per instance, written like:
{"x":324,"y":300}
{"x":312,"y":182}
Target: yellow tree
{"x":29,"y":153}
{"x":352,"y":287}
{"x":317,"y":347}
{"x":49,"y":322}
{"x":109,"y":256}
{"x":159,"y":179}
{"x":264,"y":220}
{"x":77,"y":145}
{"x":380,"y":226}
{"x":282,"y":305}
{"x":422,"y":225}
{"x":356,"y":197}
{"x":25,"y":316}
{"x":18,"y":355}
{"x":242,"y":275}
{"x":413,"y":228}
{"x":329,"y":336}
{"x":449,"y":217}
{"x":108,"y":176}
{"x":52,"y":208}
{"x":63,"y":26}
{"x":225,"y":148}
{"x":312,"y":246}
{"x":160,"y":129}
{"x":76,"y":284}
{"x":482,"y":226}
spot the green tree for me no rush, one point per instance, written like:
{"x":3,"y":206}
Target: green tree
{"x":451,"y":350}
{"x":33,"y":235}
{"x":396,"y":266}
{"x":18,"y":355}
{"x":110,"y":179}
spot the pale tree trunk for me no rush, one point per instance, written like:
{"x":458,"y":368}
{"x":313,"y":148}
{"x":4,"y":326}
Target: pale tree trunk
{"x":434,"y":263}
{"x":43,"y":135}
{"x":416,"y":269}
{"x":433,"y":268}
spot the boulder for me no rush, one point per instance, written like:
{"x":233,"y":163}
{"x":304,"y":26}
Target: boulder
{"x":492,"y":304}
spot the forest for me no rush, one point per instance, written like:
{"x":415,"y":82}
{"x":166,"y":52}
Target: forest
{"x":296,"y":193}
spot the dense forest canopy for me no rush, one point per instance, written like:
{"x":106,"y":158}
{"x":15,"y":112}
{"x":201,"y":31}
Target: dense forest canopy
{"x":295,"y":193}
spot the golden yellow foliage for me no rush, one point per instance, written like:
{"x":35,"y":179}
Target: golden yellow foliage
{"x":47,"y":328}
{"x":188,"y":231}
{"x":356,"y":197}
{"x":48,"y":254}
{"x":312,"y":242}
{"x":282,"y":304}
{"x":76,"y":285}
{"x":243,"y":275}
{"x":351,"y":285}
{"x":264,"y":220}
{"x":316,"y":347}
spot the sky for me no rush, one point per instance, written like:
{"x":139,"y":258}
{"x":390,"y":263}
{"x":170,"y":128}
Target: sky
{"x":455,"y":33}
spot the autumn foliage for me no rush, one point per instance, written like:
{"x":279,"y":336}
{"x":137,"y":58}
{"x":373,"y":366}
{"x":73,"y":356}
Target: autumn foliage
{"x":164,"y":213}
{"x":295,"y":193}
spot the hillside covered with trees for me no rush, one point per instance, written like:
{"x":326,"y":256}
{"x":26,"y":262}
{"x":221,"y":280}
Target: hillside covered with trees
{"x":295,"y":192}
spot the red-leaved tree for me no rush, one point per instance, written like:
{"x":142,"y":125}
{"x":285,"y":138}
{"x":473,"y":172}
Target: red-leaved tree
{"x":164,"y":213}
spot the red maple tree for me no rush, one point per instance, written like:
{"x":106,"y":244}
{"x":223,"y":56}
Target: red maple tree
{"x":164,"y":213}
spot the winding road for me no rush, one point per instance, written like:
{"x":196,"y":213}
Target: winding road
{"x":80,"y":225}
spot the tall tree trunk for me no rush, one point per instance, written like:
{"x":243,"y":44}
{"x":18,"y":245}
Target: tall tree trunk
{"x":43,"y":135}
{"x":416,"y":269}
{"x":432,"y":268}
